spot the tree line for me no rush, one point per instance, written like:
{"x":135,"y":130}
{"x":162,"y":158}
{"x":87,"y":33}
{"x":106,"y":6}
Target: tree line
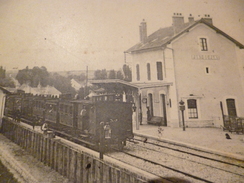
{"x":4,"y":80}
{"x":124,"y":74}
{"x":40,"y":76}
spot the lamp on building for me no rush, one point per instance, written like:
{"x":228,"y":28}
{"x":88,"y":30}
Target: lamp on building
{"x":144,"y":100}
{"x":182,"y":108}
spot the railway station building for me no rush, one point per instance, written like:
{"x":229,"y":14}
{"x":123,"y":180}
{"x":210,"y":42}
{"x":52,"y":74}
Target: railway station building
{"x":192,"y":61}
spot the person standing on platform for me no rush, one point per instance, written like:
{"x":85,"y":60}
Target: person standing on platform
{"x":148,"y":114}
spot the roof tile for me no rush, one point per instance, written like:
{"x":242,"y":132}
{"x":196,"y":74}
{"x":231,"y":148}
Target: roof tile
{"x":165,"y":35}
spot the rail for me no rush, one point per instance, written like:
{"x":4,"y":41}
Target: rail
{"x":70,"y":160}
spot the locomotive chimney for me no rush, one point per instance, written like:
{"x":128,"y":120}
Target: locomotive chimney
{"x":143,"y":31}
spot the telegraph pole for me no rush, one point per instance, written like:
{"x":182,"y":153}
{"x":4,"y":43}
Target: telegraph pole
{"x":86,"y":83}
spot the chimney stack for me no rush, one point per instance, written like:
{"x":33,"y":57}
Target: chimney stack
{"x":178,"y":21}
{"x":143,"y":31}
{"x":191,"y":19}
{"x":208,"y":19}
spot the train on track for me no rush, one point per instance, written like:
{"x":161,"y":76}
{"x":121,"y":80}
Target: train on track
{"x":101,"y":119}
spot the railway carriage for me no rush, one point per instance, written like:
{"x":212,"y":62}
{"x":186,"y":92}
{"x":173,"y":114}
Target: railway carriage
{"x":102,"y":117}
{"x":27,"y":106}
{"x":13,"y":103}
{"x":39,"y":106}
{"x":51,"y":110}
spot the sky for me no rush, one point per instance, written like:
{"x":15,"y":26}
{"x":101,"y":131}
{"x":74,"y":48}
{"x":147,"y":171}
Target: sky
{"x":65,"y":35}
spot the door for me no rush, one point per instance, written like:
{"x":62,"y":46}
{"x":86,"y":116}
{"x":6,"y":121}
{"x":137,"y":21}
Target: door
{"x":231,"y":107}
{"x":164,"y":109}
{"x":150,"y":98}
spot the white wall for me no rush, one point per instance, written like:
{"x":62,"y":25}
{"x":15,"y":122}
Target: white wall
{"x":142,"y":59}
{"x":223,"y":81}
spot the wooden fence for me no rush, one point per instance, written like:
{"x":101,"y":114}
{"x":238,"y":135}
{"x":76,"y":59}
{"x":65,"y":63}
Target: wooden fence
{"x":78,"y":166}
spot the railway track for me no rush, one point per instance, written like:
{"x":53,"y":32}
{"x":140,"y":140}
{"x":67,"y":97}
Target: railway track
{"x":176,"y":163}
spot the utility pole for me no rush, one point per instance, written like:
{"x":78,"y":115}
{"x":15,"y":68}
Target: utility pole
{"x":86,"y":83}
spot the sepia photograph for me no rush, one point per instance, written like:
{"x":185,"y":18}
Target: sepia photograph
{"x":121,"y":91}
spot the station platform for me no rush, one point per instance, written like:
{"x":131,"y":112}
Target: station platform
{"x":209,"y":139}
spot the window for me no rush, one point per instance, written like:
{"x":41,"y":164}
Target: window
{"x":203,"y":44}
{"x":148,"y":72}
{"x":192,"y":108}
{"x":159,"y":71}
{"x":207,"y":70}
{"x":137,"y":72}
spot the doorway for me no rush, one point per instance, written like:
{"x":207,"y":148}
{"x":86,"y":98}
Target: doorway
{"x":163,"y":100}
{"x":150,"y":102}
{"x":231,"y":107}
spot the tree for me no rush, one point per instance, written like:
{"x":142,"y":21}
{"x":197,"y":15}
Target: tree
{"x":5,"y":81}
{"x":24,"y":76}
{"x":2,"y":73}
{"x":127,"y":73}
{"x":100,"y":74}
{"x":61,"y":83}
{"x":81,"y":77}
{"x":112,"y":74}
{"x":120,"y":75}
{"x":33,"y":76}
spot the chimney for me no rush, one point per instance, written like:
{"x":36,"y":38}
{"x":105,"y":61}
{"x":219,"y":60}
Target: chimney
{"x":208,"y":19}
{"x":143,"y":31}
{"x":178,"y":21}
{"x":191,"y":19}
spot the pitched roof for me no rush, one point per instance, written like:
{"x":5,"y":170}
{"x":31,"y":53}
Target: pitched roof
{"x":48,"y":90}
{"x":6,"y":89}
{"x":164,"y":36}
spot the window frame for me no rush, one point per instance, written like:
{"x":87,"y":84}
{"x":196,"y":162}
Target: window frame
{"x":137,"y":72}
{"x":148,"y":72}
{"x":159,"y":67}
{"x":192,"y":110}
{"x":203,"y":43}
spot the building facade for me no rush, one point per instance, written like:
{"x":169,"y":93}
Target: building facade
{"x":194,"y":62}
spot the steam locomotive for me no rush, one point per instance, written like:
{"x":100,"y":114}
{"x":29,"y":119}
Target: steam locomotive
{"x":103,"y":118}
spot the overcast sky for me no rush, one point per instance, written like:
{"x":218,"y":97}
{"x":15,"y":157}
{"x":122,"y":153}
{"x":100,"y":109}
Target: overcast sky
{"x":72,"y":34}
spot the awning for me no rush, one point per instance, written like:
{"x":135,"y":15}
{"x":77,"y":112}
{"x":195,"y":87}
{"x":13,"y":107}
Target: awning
{"x":130,"y":84}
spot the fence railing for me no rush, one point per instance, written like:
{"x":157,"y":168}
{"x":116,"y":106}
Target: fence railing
{"x":234,"y":124}
{"x":78,"y":166}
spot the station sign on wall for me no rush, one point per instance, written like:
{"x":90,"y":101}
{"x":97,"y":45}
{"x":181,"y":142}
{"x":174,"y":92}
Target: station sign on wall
{"x":205,"y":57}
